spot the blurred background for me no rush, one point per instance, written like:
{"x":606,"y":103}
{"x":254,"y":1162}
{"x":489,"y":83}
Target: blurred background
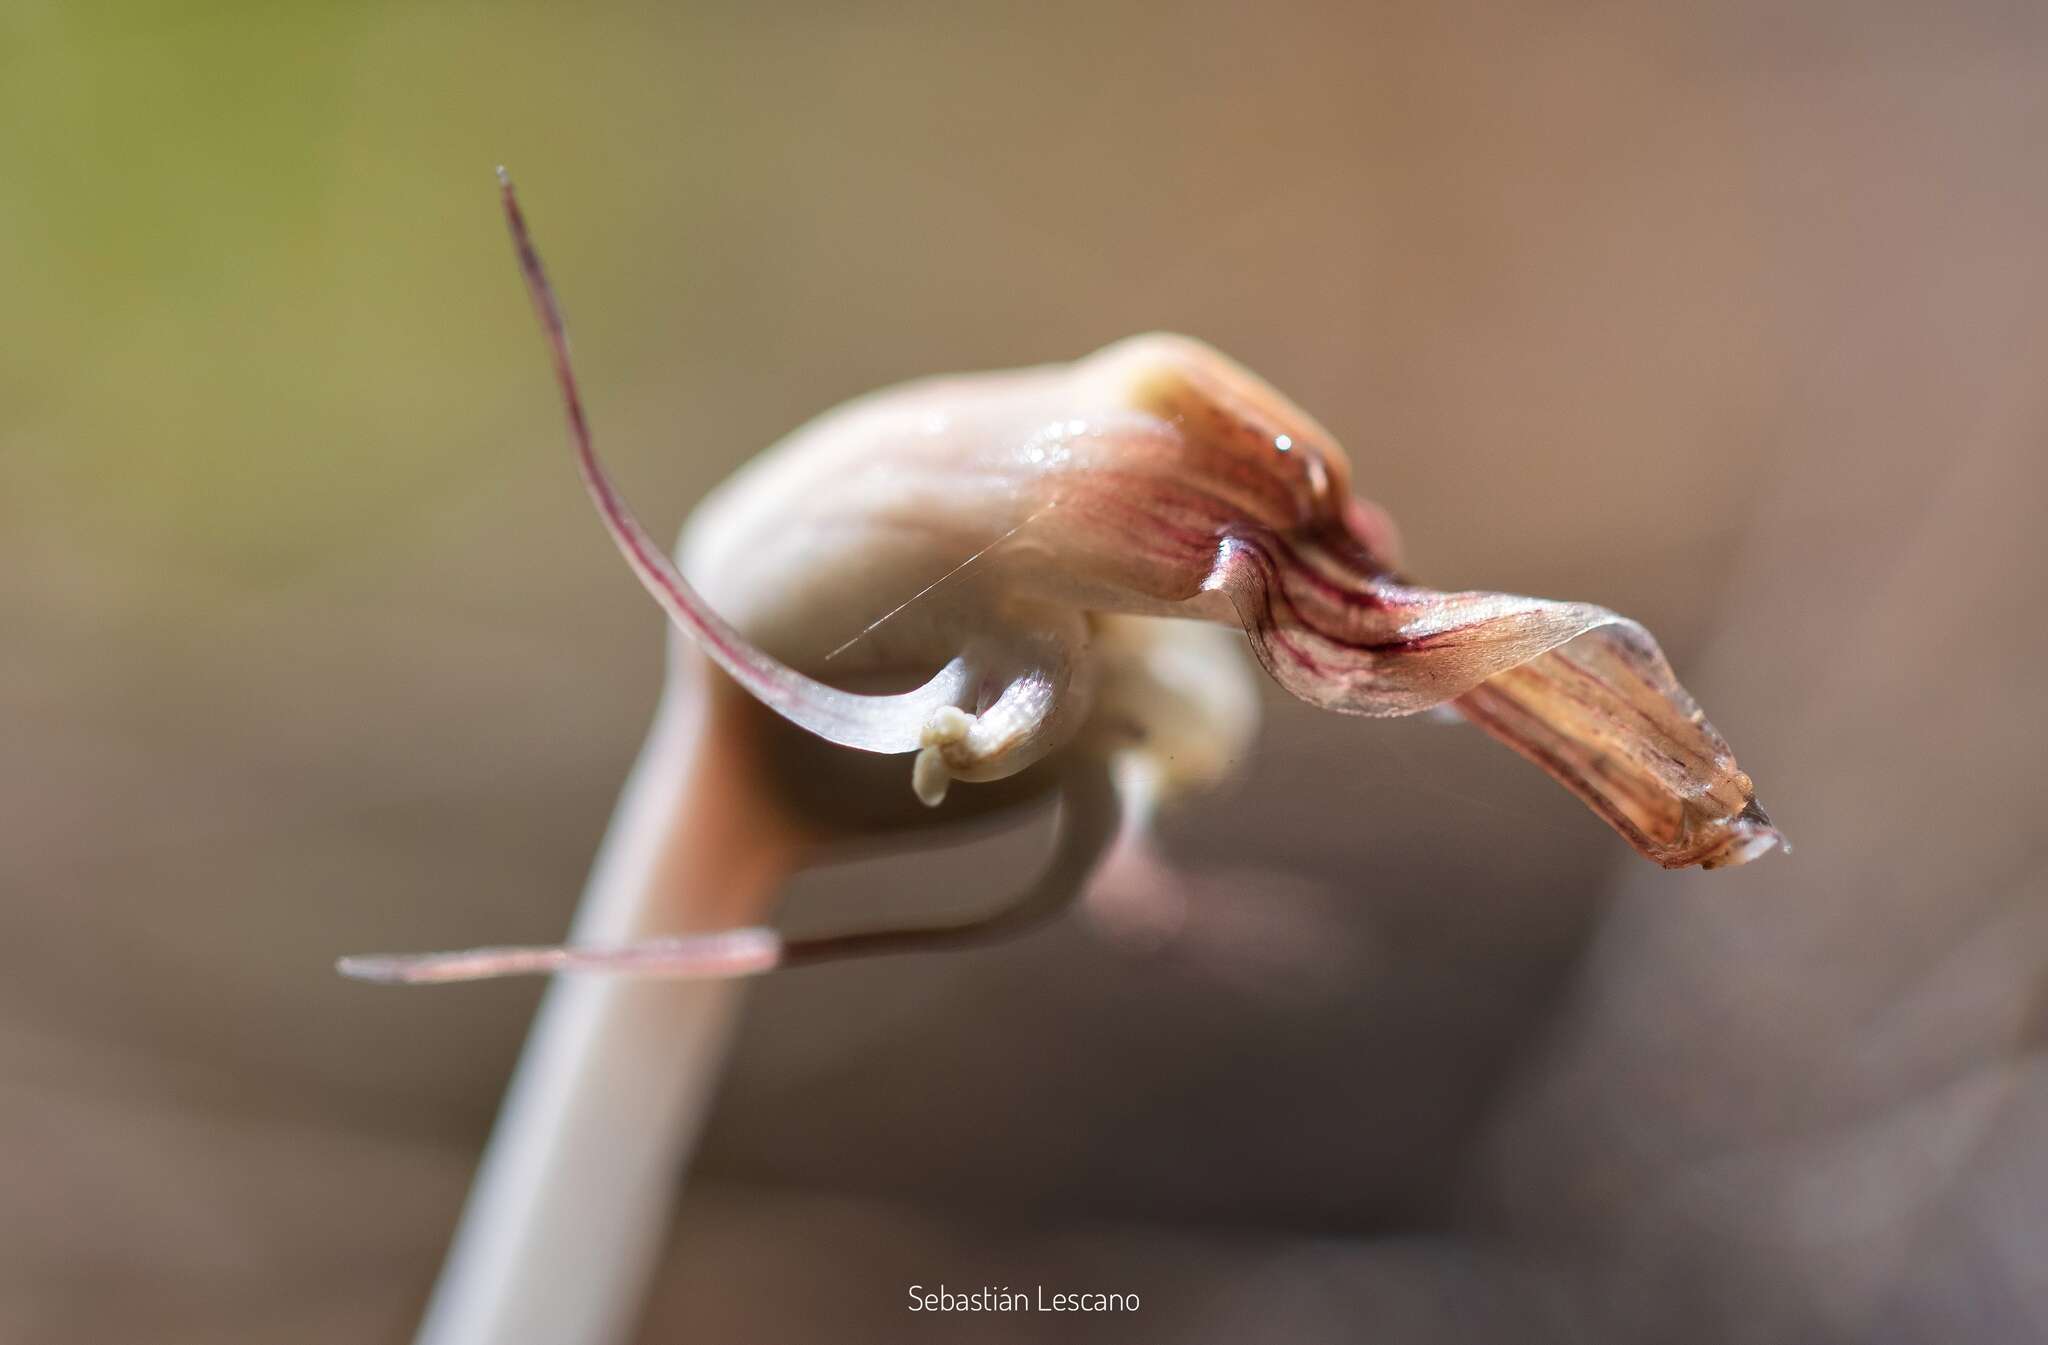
{"x":1731,"y":317}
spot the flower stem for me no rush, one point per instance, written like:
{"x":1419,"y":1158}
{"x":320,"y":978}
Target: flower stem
{"x":569,"y":1211}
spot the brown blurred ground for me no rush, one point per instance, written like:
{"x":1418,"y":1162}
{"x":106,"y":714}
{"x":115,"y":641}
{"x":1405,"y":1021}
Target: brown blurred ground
{"x":1731,"y":317}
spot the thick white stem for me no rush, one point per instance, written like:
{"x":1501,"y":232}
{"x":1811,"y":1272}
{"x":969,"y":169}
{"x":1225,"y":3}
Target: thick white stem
{"x":569,"y":1211}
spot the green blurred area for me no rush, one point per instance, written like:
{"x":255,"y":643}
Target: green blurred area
{"x":261,"y":312}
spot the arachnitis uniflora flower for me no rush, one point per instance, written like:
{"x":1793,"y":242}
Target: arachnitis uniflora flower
{"x":986,"y":587}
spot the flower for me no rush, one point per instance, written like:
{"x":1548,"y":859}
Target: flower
{"x":1032,"y":536}
{"x":1154,"y":478}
